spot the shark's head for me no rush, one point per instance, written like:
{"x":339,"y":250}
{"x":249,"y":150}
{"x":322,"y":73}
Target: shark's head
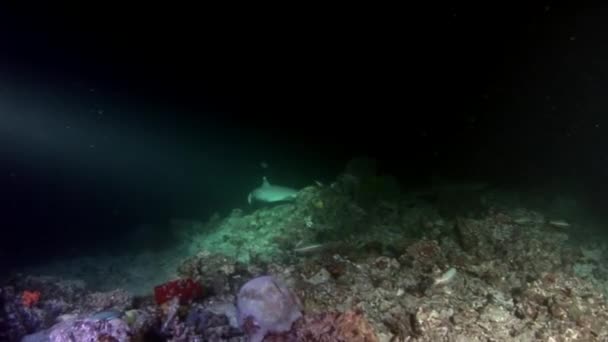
{"x":269,"y":193}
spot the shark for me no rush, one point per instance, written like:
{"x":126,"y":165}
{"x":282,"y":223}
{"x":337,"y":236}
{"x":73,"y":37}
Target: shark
{"x":269,"y":193}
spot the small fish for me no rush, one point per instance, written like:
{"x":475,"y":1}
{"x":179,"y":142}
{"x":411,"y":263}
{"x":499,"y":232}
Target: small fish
{"x":316,"y":248}
{"x":559,"y":223}
{"x":106,"y":315}
{"x":445,"y":277}
{"x":310,"y":249}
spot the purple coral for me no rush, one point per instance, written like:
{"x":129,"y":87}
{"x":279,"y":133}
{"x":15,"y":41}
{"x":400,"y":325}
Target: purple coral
{"x":89,"y":329}
{"x":266,"y":305}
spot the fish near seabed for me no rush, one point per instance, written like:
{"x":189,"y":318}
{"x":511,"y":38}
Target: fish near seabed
{"x":269,"y":193}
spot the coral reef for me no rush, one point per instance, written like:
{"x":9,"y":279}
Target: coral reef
{"x":341,"y":264}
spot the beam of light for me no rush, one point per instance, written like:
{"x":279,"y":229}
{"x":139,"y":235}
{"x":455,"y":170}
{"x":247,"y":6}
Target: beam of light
{"x":111,"y":146}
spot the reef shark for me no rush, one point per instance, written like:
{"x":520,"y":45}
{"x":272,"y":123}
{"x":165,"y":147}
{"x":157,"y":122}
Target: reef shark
{"x":269,"y":193}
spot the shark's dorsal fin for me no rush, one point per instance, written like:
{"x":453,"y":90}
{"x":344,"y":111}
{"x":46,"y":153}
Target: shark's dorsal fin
{"x":265,"y":181}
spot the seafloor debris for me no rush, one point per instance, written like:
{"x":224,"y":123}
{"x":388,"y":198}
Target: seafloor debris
{"x":379,"y":265}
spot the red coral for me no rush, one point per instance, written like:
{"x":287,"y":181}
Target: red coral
{"x":185,"y":289}
{"x":30,"y":298}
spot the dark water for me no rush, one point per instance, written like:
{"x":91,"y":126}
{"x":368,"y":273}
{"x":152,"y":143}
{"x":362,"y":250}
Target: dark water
{"x":99,"y":135}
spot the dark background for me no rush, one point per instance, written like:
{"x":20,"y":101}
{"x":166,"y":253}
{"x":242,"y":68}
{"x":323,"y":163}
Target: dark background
{"x":113,"y":116}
